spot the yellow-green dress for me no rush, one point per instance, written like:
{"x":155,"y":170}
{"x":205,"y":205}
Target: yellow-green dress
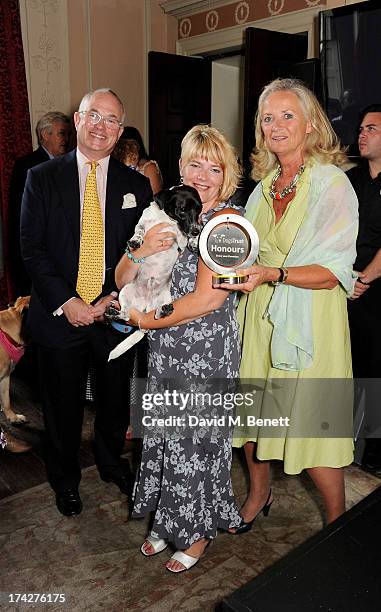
{"x":332,"y":353}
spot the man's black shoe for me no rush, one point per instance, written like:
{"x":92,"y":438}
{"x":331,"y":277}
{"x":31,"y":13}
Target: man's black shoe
{"x":69,"y":502}
{"x":125,"y":482}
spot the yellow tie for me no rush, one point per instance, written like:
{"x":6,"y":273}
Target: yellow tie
{"x":90,"y":269}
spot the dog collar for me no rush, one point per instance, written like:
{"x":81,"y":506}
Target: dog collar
{"x":14,"y":350}
{"x":122,"y":327}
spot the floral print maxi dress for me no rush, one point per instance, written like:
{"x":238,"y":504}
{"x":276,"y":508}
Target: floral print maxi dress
{"x":184,"y":478}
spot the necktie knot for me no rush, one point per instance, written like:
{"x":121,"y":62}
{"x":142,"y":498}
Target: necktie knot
{"x":93,"y":166}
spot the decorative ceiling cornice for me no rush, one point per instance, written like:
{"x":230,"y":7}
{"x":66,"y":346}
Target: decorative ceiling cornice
{"x":182,"y":8}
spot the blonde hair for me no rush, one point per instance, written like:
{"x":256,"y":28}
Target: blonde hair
{"x":321,"y":144}
{"x":208,"y":143}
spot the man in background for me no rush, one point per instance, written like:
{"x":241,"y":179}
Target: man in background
{"x":53,"y":134}
{"x":364,"y":307}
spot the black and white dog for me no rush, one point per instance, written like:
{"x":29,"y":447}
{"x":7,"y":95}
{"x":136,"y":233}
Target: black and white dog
{"x":180,"y":208}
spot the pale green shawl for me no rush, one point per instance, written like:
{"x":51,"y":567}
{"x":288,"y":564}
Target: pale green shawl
{"x":327,"y":236}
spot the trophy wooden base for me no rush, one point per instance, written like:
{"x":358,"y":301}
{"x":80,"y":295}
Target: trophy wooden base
{"x":229,"y":279}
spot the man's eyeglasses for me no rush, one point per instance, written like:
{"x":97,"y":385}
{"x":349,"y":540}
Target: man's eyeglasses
{"x":94,"y":118}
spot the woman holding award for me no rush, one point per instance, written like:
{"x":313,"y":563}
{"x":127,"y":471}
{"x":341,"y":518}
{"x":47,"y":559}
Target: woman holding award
{"x":184,"y":477}
{"x":293,"y":315}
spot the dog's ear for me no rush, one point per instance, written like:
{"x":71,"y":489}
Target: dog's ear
{"x":161,"y":198}
{"x":21,"y":303}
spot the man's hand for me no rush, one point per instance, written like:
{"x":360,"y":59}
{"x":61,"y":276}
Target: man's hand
{"x":100,"y":306}
{"x":361,"y":285}
{"x":78,"y":313}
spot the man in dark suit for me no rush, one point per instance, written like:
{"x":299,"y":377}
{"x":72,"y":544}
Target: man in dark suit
{"x":53,"y":134}
{"x":364,"y":307}
{"x":67,"y":328}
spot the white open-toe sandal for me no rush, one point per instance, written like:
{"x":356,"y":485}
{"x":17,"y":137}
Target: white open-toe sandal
{"x":186,"y":560}
{"x":157,"y":544}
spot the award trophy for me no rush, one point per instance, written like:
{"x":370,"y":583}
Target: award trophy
{"x":228,"y":243}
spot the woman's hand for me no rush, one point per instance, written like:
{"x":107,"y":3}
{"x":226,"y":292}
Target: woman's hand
{"x":156,"y":240}
{"x":312,"y":276}
{"x":257,"y":276}
{"x":135,"y":317}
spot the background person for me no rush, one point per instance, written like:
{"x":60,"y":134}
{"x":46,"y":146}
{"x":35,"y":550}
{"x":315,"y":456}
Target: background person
{"x":75,"y":222}
{"x":53,"y":134}
{"x":126,"y":152}
{"x":364,"y":307}
{"x":305,"y":212}
{"x":186,"y":482}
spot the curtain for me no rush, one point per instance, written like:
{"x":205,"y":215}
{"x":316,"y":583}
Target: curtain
{"x":15,"y":134}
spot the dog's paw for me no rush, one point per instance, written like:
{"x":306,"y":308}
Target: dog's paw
{"x":164,"y":311}
{"x":112,"y":313}
{"x":193,"y":244}
{"x":16,"y":419}
{"x":134,"y":244}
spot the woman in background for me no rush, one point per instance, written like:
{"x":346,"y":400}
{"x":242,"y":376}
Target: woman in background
{"x":131,"y":151}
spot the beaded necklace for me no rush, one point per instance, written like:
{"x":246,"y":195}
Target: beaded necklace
{"x":279,"y":195}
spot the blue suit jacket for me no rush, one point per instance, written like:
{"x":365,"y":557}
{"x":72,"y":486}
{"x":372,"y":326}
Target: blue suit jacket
{"x":50,"y":237}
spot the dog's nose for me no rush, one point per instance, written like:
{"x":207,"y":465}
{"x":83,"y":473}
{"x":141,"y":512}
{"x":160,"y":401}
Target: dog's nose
{"x":195,"y":230}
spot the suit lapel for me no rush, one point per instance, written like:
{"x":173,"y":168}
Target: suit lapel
{"x":113,"y":205}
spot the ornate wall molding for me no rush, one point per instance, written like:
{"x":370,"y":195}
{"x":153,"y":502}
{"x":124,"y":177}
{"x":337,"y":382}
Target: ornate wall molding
{"x":233,"y":37}
{"x":210,"y":16}
{"x":46,"y":49}
{"x":276,"y":6}
{"x":242,"y":12}
{"x":179,"y":8}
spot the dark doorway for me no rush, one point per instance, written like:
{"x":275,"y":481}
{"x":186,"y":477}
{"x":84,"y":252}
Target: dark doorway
{"x":179,"y":98}
{"x":265,"y":55}
{"x":180,"y":91}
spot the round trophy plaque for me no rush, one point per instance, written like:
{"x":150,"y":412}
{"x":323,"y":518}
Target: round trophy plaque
{"x":227,"y":244}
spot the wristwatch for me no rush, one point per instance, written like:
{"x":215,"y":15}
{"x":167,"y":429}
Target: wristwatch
{"x":283,"y":274}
